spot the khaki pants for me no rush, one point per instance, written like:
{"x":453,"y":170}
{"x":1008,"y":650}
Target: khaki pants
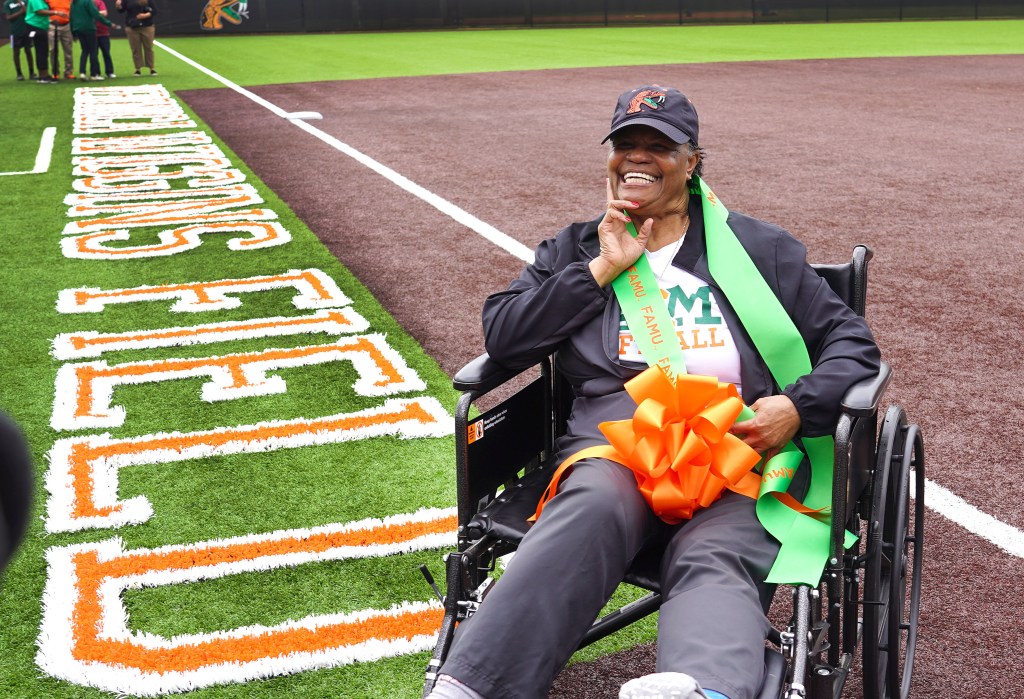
{"x":60,"y":35}
{"x":140,"y":39}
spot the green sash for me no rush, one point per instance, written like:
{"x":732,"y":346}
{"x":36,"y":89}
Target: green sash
{"x":804,"y":531}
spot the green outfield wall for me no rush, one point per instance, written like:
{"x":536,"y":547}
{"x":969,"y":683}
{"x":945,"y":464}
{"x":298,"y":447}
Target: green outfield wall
{"x":294,"y":16}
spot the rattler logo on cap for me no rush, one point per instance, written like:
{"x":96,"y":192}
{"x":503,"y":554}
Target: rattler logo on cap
{"x":651,"y":98}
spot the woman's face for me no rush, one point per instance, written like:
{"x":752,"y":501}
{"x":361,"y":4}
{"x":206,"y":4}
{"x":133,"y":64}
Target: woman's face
{"x":651,"y":169}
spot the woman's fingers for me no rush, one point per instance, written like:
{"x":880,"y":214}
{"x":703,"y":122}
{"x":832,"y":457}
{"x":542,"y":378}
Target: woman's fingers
{"x":613,"y":203}
{"x":645,"y":231}
{"x":618,"y":215}
{"x":619,"y":249}
{"x":622,"y":204}
{"x":616,"y":211}
{"x":775,"y":423}
{"x":619,"y":210}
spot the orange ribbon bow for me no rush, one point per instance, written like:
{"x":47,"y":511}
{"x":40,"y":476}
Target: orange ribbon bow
{"x":677,"y":444}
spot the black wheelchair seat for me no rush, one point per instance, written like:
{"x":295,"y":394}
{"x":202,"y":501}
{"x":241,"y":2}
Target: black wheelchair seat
{"x":506,"y":517}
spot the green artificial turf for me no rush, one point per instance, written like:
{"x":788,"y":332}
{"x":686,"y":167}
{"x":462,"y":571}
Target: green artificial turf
{"x":309,"y":57}
{"x":202,"y":499}
{"x":227,"y":496}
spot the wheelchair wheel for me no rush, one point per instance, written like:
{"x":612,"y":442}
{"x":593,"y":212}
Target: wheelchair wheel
{"x":892,"y":585}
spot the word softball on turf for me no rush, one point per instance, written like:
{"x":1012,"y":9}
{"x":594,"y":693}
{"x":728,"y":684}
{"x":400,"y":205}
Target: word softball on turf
{"x":173,"y":178}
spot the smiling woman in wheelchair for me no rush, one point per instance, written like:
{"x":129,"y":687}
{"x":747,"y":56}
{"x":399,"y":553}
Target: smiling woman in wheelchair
{"x":737,"y":292}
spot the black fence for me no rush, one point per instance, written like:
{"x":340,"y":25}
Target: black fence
{"x":296,"y":16}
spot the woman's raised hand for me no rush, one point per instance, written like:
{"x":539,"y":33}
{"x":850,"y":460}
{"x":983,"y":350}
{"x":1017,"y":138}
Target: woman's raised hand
{"x":619,"y":249}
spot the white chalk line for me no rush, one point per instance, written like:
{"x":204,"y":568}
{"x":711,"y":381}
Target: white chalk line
{"x":43,"y":155}
{"x":959,"y":511}
{"x":937,"y":498}
{"x":467,"y":219}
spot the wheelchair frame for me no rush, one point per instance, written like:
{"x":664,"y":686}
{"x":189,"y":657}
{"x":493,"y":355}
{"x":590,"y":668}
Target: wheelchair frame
{"x":869,"y":594}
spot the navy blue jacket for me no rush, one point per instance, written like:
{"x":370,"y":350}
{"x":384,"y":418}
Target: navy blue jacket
{"x":556,"y":304}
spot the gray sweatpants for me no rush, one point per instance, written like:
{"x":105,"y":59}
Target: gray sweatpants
{"x":712,"y":623}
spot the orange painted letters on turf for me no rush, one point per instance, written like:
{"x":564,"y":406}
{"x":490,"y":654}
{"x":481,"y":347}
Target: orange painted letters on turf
{"x":140,"y":143}
{"x":316,"y":290}
{"x":84,"y":392}
{"x":187,"y":206}
{"x":135,"y":108}
{"x":334,"y":321}
{"x":85,"y":636}
{"x":83,"y":476}
{"x":93,"y":246}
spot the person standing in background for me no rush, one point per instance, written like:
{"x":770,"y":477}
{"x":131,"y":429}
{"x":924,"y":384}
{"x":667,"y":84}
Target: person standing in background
{"x":103,"y":40}
{"x":14,"y":12}
{"x":60,"y":35}
{"x":84,"y":18}
{"x":37,"y":17}
{"x":140,"y":30}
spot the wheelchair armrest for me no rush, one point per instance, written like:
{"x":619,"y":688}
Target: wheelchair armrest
{"x":483,"y":374}
{"x":862,"y":399}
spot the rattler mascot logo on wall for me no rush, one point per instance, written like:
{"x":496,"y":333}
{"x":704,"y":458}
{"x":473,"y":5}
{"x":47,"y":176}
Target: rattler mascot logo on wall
{"x":650,"y":98}
{"x":218,"y":11}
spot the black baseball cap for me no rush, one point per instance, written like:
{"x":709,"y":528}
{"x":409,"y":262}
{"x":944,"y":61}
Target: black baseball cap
{"x":663,"y":108}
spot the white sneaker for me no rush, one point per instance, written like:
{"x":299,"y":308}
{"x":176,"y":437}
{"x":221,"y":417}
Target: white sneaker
{"x":96,"y":78}
{"x":83,"y":76}
{"x":111,"y":76}
{"x":662,"y":685}
{"x":448,"y":687}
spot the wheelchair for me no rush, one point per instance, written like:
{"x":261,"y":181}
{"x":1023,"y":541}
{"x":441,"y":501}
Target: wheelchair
{"x":869,"y":595}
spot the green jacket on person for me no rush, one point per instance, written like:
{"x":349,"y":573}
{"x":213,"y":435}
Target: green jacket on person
{"x":33,"y":18}
{"x":84,"y":16}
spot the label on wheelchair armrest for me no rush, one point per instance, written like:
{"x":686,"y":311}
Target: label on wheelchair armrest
{"x":502,"y":440}
{"x":480,"y":425}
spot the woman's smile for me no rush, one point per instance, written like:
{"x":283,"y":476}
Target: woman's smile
{"x":638,"y":179}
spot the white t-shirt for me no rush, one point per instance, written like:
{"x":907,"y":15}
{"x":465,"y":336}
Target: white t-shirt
{"x":708,"y":345}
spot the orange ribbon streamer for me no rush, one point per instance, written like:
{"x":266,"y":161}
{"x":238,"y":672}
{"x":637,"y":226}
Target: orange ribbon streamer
{"x":677,"y":444}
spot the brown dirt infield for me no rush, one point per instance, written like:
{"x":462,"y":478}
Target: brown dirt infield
{"x":920,"y":158}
